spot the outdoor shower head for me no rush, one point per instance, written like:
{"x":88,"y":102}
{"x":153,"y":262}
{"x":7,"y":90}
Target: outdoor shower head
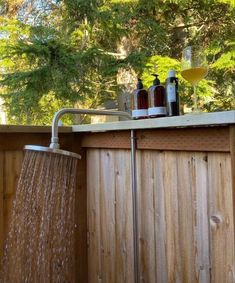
{"x":52,"y":150}
{"x":54,"y":146}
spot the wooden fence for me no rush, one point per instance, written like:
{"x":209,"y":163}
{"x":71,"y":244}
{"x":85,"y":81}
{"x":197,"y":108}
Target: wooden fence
{"x":186,"y":194}
{"x":185,"y":208}
{"x":185,"y":183}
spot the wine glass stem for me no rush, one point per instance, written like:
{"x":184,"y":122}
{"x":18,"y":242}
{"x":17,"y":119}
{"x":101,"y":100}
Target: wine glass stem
{"x":195,"y":107}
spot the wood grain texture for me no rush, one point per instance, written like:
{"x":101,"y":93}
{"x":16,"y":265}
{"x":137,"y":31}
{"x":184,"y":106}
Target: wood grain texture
{"x":107,"y":140}
{"x":211,"y":139}
{"x":201,"y":202}
{"x":12,"y":169}
{"x":179,"y":195}
{"x":93,"y":208}
{"x":17,"y":141}
{"x":232,"y":153}
{"x":107,"y":215}
{"x":146,"y":217}
{"x":186,"y":211}
{"x":1,"y":202}
{"x":124,"y":220}
{"x":159,"y":217}
{"x":19,"y":129}
{"x":110,"y":255}
{"x":191,"y":139}
{"x":81,"y":222}
{"x":173,"y":253}
{"x":221,"y":218}
{"x":186,"y":215}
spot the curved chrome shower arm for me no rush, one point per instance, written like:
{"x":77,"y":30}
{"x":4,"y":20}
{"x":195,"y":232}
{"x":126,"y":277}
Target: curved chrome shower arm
{"x":55,"y":145}
{"x":61,"y":112}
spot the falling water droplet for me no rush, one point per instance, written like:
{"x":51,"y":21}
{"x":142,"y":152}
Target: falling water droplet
{"x":40,"y":243}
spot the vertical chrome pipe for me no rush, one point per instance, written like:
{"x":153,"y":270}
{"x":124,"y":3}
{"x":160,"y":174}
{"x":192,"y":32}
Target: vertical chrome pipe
{"x":135,"y":208}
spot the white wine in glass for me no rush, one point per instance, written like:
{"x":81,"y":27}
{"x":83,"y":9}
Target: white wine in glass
{"x":194,"y":69}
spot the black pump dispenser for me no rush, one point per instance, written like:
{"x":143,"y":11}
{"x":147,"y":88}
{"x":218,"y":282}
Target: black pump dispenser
{"x":156,"y":81}
{"x":139,"y":84}
{"x":157,"y":106}
{"x":140,"y":101}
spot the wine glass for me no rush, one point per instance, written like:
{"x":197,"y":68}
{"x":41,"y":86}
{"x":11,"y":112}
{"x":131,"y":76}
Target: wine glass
{"x":194,"y":68}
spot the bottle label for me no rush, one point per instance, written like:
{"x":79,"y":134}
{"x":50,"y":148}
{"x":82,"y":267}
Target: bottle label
{"x":171,"y":93}
{"x":157,"y":111}
{"x":140,"y":113}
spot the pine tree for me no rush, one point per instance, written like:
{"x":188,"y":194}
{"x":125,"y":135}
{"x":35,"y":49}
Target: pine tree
{"x":62,"y":53}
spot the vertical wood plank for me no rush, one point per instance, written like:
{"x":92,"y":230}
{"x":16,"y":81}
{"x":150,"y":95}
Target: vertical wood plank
{"x":1,"y":203}
{"x":81,"y":250}
{"x":201,"y":200}
{"x":94,"y":225}
{"x":159,"y":217}
{"x":186,"y":212}
{"x":221,"y":218}
{"x":174,"y":268}
{"x":138,"y":192}
{"x":146,"y":218}
{"x":124,"y":220}
{"x":13,"y":161}
{"x":232,"y":153}
{"x":107,"y":215}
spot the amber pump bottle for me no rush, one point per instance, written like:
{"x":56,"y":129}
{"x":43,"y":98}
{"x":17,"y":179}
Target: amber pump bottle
{"x":157,"y":103}
{"x":140,"y":102}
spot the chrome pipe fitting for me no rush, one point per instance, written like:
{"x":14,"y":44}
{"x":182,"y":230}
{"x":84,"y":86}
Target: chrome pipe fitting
{"x":54,"y":131}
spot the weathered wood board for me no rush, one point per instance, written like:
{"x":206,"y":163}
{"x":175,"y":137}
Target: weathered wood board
{"x":186,"y":221}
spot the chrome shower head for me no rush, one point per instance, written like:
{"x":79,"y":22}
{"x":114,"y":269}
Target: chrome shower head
{"x":52,"y":150}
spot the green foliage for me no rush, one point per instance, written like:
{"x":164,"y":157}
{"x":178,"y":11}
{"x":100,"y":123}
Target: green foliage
{"x":230,"y":2}
{"x":226,"y":61}
{"x":70,"y":52}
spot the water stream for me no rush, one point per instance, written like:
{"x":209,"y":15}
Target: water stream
{"x":40,"y":243}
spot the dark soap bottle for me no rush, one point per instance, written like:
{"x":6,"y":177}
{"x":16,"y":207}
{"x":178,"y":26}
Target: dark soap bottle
{"x":157,"y":103}
{"x":172,"y":95}
{"x":140,"y":102}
